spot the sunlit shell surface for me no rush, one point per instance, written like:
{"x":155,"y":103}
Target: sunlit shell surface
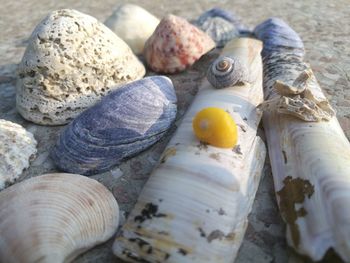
{"x":71,"y":61}
{"x":310,"y":159}
{"x":195,"y":204}
{"x":121,"y":125}
{"x":17,"y":149}
{"x":133,"y":24}
{"x":54,"y":217}
{"x":176,"y":45}
{"x":221,"y":25}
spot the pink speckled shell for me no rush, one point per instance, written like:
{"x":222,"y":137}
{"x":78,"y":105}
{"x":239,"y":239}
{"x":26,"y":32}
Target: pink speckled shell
{"x":175,"y":45}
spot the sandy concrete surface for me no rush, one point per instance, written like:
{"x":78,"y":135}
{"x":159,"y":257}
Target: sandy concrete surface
{"x":324,"y":27}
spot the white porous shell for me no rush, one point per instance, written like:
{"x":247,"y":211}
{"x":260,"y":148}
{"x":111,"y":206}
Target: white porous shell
{"x":71,"y":61}
{"x":54,"y":217}
{"x":17,"y":148}
{"x":133,"y":24}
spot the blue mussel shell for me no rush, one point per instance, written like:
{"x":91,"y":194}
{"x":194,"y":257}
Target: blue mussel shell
{"x":122,"y":124}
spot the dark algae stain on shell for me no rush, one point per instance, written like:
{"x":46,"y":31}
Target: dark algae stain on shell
{"x":294,"y":192}
{"x":122,"y":124}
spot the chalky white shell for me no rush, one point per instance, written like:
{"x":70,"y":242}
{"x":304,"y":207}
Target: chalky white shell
{"x":194,"y":206}
{"x":17,"y":148}
{"x":55,"y":217}
{"x":133,"y":24}
{"x":71,"y":61}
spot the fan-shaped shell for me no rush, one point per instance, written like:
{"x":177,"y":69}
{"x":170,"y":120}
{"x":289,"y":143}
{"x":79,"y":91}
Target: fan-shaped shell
{"x":122,"y":124}
{"x":133,"y":24}
{"x":224,"y":14}
{"x":277,"y":35}
{"x":71,"y":61}
{"x":221,"y":25}
{"x":176,"y":45}
{"x":17,"y":148}
{"x":55,"y":217}
{"x":225,"y":72}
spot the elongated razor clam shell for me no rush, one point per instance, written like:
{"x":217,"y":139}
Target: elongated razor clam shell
{"x":310,"y":161}
{"x":54,"y":217}
{"x":122,"y":124}
{"x":194,"y":206}
{"x":221,"y":25}
{"x":17,"y":149}
{"x":175,"y":45}
{"x":133,"y":24}
{"x":71,"y":61}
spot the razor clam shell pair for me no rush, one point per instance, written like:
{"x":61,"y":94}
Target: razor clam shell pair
{"x":122,"y":124}
{"x":54,"y":218}
{"x":17,"y":149}
{"x":310,"y":160}
{"x":194,"y":206}
{"x":176,"y":45}
{"x":221,"y":25}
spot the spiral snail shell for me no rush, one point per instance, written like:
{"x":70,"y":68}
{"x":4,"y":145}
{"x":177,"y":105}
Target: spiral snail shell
{"x":225,"y":72}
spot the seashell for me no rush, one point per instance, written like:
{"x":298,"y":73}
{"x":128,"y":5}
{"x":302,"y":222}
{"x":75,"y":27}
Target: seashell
{"x":54,"y":218}
{"x":225,"y":72}
{"x":17,"y":149}
{"x":195,"y":204}
{"x":278,"y":35}
{"x":133,"y":24}
{"x":124,"y":123}
{"x":310,"y":160}
{"x":224,"y":14}
{"x":221,"y":25}
{"x":176,"y":45}
{"x":71,"y":61}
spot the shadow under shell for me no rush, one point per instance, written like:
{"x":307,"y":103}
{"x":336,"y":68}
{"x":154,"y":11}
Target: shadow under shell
{"x":122,"y":124}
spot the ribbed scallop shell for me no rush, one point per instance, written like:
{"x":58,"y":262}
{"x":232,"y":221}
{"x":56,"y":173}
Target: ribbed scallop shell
{"x":176,"y":45}
{"x":122,"y":124}
{"x":17,"y":149}
{"x":310,"y":161}
{"x":55,"y":217}
{"x":225,"y":72}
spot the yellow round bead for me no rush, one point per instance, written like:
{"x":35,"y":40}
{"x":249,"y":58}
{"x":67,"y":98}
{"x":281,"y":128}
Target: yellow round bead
{"x":215,"y":127}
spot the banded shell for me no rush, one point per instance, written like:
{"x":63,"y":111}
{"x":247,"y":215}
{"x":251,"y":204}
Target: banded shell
{"x":176,"y":45}
{"x":71,"y":61}
{"x":195,"y":204}
{"x":17,"y":149}
{"x":310,"y":161}
{"x":221,"y":25}
{"x":55,"y":217}
{"x":133,"y":24}
{"x":124,"y":123}
{"x":224,"y":14}
{"x":225,"y":72}
{"x":278,"y":35}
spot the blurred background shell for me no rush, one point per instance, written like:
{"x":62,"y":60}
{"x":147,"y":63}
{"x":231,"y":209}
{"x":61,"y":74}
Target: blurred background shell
{"x":221,"y":25}
{"x":133,"y":24}
{"x":54,"y":218}
{"x":17,"y":149}
{"x":71,"y":61}
{"x":124,"y":123}
{"x":175,"y":45}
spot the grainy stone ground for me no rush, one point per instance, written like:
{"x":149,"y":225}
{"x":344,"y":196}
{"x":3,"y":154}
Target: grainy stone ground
{"x":324,"y":27}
